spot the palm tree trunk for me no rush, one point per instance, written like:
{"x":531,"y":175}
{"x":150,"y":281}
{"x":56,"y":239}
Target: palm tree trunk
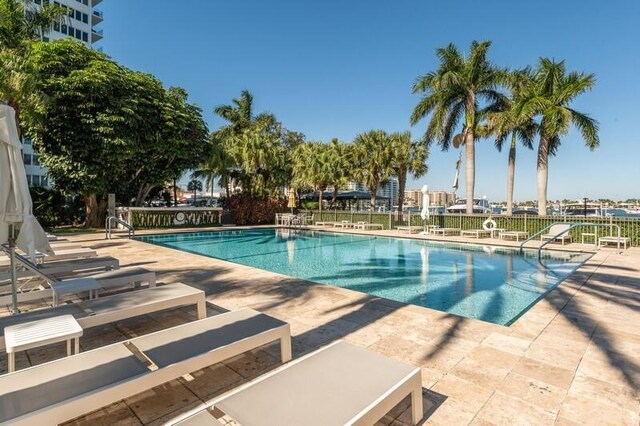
{"x":511,"y":172}
{"x":470,"y":169}
{"x":320,"y":192}
{"x":402,"y":182}
{"x":374,"y":194}
{"x":175,"y":193}
{"x":543,"y":175}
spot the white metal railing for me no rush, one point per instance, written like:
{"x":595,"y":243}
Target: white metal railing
{"x":108,"y":227}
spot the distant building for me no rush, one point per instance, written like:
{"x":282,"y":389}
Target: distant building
{"x":413,"y":197}
{"x":80,"y":25}
{"x":390,"y":190}
{"x":441,"y":198}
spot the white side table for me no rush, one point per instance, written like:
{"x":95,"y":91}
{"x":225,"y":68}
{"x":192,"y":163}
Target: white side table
{"x":29,"y":335}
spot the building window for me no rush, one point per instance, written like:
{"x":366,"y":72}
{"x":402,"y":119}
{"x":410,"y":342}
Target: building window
{"x":35,"y":180}
{"x":85,"y":2}
{"x":45,"y":38}
{"x":27,"y":159}
{"x":78,"y":15}
{"x":85,"y":18}
{"x":56,"y":26}
{"x":36,"y":160}
{"x":85,"y":36}
{"x":63,"y":28}
{"x":44,"y":181}
{"x":78,"y":34}
{"x":37,"y":1}
{"x":71,"y":31}
{"x":26,"y":141}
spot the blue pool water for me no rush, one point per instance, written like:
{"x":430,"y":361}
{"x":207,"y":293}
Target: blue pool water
{"x":483,"y":282}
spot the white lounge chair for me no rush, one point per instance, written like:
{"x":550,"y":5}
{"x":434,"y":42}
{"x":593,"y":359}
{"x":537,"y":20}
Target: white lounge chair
{"x":517,"y":235}
{"x":340,"y":384}
{"x":67,"y":254}
{"x":66,"y":267}
{"x":366,"y":226}
{"x":478,"y":233}
{"x":104,"y":310}
{"x":410,"y":229}
{"x":555,"y":231}
{"x":445,"y":231}
{"x":613,"y":239}
{"x":63,"y":389}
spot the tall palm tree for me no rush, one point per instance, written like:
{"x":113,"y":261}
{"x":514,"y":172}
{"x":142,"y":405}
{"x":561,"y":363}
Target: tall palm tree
{"x":408,"y":157}
{"x":454,"y":92}
{"x":550,"y":97}
{"x":21,"y":24}
{"x":339,"y":164}
{"x":311,"y":167}
{"x":508,"y":120}
{"x":373,"y":160}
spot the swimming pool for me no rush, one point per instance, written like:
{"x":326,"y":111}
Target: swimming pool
{"x":482,"y":282}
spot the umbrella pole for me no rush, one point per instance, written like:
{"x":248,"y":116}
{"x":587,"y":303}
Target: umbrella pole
{"x":14,"y":280}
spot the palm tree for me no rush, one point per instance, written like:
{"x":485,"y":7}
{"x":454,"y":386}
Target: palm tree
{"x":339,"y":164}
{"x":408,"y":157}
{"x":549,"y":97}
{"x":373,"y":160}
{"x":194,"y":185}
{"x":453,"y":92}
{"x":21,"y":24}
{"x":311,"y":167}
{"x":509,"y":120}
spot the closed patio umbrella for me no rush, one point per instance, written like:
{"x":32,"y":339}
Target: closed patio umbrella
{"x":424,"y":214}
{"x":293,"y":199}
{"x":15,"y":200}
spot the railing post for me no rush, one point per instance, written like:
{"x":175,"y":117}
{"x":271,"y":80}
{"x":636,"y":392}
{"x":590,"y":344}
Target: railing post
{"x":390,"y":219}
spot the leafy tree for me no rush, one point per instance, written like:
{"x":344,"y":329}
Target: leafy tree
{"x":549,"y":97}
{"x":194,"y":185}
{"x":453,"y":92}
{"x":373,"y":160}
{"x":109,"y":129}
{"x":340,"y":156}
{"x":509,"y":120}
{"x":408,"y":157}
{"x":21,"y":25}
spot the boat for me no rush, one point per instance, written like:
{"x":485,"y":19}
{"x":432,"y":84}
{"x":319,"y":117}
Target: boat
{"x":583,"y":209}
{"x":481,"y":206}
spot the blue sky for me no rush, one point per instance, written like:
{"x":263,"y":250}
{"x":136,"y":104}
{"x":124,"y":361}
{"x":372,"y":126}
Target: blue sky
{"x":337,"y":68}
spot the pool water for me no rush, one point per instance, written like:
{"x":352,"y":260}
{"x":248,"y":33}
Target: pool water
{"x":482,"y":282}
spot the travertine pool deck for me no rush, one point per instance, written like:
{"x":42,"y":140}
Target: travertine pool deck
{"x":574,"y":358}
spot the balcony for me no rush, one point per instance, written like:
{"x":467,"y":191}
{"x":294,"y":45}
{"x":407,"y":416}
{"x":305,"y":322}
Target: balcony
{"x":96,"y":35}
{"x":97,"y":16}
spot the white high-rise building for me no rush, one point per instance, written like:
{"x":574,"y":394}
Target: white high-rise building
{"x":79,"y":24}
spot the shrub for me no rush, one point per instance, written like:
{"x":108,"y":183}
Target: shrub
{"x":52,"y":208}
{"x":250,"y":210}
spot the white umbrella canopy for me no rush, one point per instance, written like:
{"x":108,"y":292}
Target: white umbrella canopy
{"x":15,"y":200}
{"x":424,"y":214}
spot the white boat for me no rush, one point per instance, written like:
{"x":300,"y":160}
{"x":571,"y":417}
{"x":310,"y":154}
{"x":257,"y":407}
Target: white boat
{"x":479,"y":206}
{"x":582,"y":209}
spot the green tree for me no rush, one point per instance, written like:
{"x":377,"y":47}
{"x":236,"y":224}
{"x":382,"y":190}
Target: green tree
{"x":109,"y":129}
{"x":311,"y":167}
{"x":373,"y":160}
{"x":194,"y":185}
{"x":509,"y":121}
{"x":21,"y":25}
{"x":550,"y":97}
{"x":408,"y":157}
{"x":339,"y":164}
{"x":452,"y":93}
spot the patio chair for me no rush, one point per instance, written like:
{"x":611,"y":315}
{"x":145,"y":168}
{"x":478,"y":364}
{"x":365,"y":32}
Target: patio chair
{"x":445,"y":231}
{"x":67,"y":254}
{"x":332,"y":386}
{"x":478,"y":233}
{"x":66,"y":267}
{"x":555,"y":231}
{"x":409,"y":229}
{"x":63,"y":389}
{"x":90,"y":313}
